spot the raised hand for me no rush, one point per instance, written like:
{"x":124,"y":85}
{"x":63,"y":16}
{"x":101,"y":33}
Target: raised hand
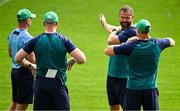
{"x":102,"y":19}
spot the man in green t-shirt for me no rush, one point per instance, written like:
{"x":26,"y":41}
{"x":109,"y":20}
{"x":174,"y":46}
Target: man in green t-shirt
{"x":50,"y":48}
{"x":143,"y":57}
{"x":118,"y":65}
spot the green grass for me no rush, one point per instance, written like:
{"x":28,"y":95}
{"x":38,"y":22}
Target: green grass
{"x":79,"y":22}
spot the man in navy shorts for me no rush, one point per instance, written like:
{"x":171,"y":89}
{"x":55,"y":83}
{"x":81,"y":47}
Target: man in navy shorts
{"x":21,"y":77}
{"x":143,"y":56}
{"x":118,"y":64}
{"x":50,"y":49}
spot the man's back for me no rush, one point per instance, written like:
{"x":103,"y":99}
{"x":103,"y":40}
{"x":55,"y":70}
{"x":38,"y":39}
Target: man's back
{"x":143,"y":62}
{"x":143,"y":58}
{"x":17,"y":39}
{"x":50,"y":50}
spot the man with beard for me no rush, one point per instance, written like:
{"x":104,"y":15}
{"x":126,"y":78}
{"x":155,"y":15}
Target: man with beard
{"x":118,"y":64}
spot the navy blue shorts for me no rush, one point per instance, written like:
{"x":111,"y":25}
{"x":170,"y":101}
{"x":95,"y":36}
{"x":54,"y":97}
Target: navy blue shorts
{"x":116,"y":88}
{"x":22,"y":85}
{"x":148,"y":99}
{"x":50,"y":94}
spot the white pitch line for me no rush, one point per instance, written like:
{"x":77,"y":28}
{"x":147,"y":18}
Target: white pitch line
{"x":2,"y":2}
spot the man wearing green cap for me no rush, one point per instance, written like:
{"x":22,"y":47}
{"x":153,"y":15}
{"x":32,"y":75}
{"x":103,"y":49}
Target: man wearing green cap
{"x":50,"y":48}
{"x":118,"y":64}
{"x":143,"y":57}
{"x":21,"y":77}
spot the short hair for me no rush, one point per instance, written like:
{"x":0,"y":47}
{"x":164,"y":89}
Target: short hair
{"x":21,"y":21}
{"x":126,"y":8}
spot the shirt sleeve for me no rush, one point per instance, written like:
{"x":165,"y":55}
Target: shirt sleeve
{"x":163,"y":43}
{"x":69,"y":45}
{"x":123,"y":49}
{"x":122,"y":37}
{"x":29,"y":46}
{"x":125,"y":35}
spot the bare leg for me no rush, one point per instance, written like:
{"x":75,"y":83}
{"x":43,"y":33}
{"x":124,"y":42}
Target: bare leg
{"x":21,"y":107}
{"x":115,"y":107}
{"x":12,"y":107}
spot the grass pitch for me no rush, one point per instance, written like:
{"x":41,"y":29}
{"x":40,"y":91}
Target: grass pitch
{"x":79,"y":22}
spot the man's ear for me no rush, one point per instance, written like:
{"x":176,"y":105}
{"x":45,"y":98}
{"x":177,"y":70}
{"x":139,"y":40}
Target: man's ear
{"x":132,"y":16}
{"x":138,"y":32}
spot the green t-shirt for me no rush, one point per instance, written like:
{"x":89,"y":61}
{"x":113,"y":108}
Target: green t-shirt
{"x":118,"y":65}
{"x":50,"y":51}
{"x":143,"y":57}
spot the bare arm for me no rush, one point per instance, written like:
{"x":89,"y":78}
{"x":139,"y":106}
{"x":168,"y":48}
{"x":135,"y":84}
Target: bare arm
{"x":31,"y":58}
{"x":109,"y":51}
{"x":20,"y":59}
{"x":107,"y":26}
{"x":113,"y":38}
{"x":78,"y":56}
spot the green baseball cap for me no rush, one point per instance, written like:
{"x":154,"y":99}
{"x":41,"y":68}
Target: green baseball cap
{"x":24,"y":14}
{"x":143,"y":25}
{"x":51,"y":17}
